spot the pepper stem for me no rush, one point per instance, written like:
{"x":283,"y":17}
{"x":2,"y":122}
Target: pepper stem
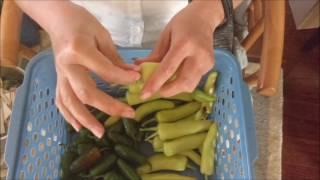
{"x":148,"y":129}
{"x":151,"y":136}
{"x":149,"y":121}
{"x":191,"y":167}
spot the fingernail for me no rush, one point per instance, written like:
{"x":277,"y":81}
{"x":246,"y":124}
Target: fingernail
{"x":99,"y":131}
{"x":128,"y":113}
{"x":137,"y":76}
{"x":145,"y":95}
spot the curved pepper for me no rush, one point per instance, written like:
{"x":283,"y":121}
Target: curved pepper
{"x":177,"y":113}
{"x":104,"y":165}
{"x":210,"y":82}
{"x":151,"y":107}
{"x":165,"y":176}
{"x":208,"y":151}
{"x":183,"y":144}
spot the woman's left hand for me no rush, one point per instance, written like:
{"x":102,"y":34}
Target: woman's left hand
{"x":185,"y":48}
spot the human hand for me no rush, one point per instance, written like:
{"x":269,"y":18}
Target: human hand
{"x":185,"y":48}
{"x":82,"y":45}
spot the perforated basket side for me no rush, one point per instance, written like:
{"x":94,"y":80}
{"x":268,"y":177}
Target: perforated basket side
{"x":37,"y":128}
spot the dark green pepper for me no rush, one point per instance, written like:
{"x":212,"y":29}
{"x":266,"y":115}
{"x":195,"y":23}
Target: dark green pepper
{"x":120,"y":139}
{"x":112,"y":175}
{"x":83,"y":148}
{"x":85,"y":161}
{"x":127,"y":170}
{"x":101,"y":116}
{"x":129,"y":154}
{"x":104,"y":165}
{"x":117,"y":127}
{"x":67,"y":158}
{"x":132,"y":128}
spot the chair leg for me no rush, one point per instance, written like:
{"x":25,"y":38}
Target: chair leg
{"x":272,"y":47}
{"x":10,"y":33}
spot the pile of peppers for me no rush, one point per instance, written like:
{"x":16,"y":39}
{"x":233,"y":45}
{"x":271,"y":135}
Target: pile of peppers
{"x":177,"y":128}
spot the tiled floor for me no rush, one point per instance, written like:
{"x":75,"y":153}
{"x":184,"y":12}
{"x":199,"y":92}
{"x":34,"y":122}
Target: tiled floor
{"x":301,"y":153}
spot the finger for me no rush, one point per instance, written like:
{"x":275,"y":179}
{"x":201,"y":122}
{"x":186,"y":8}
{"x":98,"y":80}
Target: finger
{"x":166,"y":69}
{"x":107,"y":48}
{"x":186,"y":81}
{"x":67,"y":115}
{"x":98,"y":63}
{"x":79,"y":111}
{"x":88,"y":94}
{"x":161,"y":47}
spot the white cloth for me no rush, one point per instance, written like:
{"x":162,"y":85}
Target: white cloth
{"x":133,"y":23}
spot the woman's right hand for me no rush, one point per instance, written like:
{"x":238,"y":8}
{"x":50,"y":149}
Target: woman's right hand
{"x":82,"y":45}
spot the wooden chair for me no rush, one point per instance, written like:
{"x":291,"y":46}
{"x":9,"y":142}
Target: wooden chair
{"x":266,"y":18}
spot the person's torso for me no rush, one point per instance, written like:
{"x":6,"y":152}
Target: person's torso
{"x":133,"y":23}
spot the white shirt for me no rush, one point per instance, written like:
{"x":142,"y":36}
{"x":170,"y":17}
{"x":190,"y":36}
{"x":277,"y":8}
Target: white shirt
{"x":133,"y":23}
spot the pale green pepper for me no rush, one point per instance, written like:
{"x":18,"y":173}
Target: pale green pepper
{"x":182,"y":144}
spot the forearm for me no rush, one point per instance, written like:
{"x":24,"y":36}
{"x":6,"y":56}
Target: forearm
{"x":48,"y":14}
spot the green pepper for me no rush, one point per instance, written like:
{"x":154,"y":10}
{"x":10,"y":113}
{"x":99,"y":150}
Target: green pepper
{"x":177,"y":113}
{"x":210,"y":82}
{"x":202,"y":97}
{"x":66,"y":160}
{"x":83,"y":148}
{"x":127,"y":170}
{"x":132,"y":128}
{"x":165,"y":176}
{"x":117,"y":127}
{"x":85,"y":161}
{"x":167,"y":131}
{"x":187,"y":97}
{"x":157,"y":144}
{"x":146,"y":168}
{"x":113,"y":175}
{"x":147,"y":69}
{"x":111,"y":121}
{"x":208,"y":151}
{"x":183,"y":144}
{"x":136,"y":87}
{"x":120,"y":138}
{"x":134,"y":99}
{"x":160,"y":162}
{"x":193,"y":156}
{"x":104,"y":165}
{"x":151,"y":107}
{"x":102,"y":142}
{"x":101,"y":116}
{"x":130,"y":154}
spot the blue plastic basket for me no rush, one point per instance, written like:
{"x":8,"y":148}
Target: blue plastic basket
{"x":37,"y":128}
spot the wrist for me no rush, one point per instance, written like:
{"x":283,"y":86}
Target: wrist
{"x":211,"y":11}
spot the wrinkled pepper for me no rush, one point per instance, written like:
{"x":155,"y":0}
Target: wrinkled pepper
{"x":182,"y":144}
{"x":202,"y":97}
{"x":157,"y":144}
